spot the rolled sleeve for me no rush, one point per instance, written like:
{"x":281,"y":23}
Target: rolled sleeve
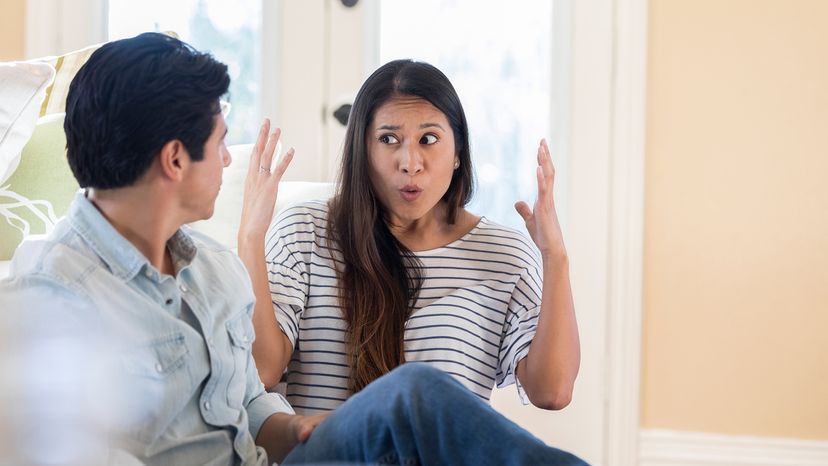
{"x":516,"y":347}
{"x":519,"y":330}
{"x":260,"y":404}
{"x":262,"y":407}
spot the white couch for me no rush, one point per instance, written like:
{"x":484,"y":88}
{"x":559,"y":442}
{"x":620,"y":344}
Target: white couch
{"x":224,"y":223}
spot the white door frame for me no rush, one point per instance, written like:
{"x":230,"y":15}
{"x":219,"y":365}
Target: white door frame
{"x":608,"y":134}
{"x":624,"y":312}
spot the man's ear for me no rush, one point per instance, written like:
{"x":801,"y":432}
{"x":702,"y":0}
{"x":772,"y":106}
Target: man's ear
{"x":173,"y":160}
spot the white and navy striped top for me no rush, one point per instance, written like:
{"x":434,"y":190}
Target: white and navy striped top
{"x":474,"y":318}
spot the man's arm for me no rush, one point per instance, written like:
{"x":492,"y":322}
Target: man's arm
{"x":281,"y":432}
{"x":272,"y":421}
{"x":276,"y":436}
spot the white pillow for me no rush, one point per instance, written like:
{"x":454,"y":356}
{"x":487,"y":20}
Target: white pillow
{"x":223,"y":226}
{"x":22,"y":89}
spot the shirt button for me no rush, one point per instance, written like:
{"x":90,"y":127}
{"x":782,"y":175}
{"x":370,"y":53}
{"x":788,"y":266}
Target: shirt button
{"x":182,"y":288}
{"x":168,"y":302}
{"x":159,"y":367}
{"x":207,"y":405}
{"x":148,"y":273}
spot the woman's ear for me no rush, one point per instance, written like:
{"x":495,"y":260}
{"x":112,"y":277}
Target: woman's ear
{"x":173,"y":160}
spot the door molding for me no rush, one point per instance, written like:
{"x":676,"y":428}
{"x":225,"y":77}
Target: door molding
{"x":679,"y":448}
{"x":624,"y":312}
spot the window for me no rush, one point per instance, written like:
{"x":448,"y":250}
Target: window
{"x":499,"y":60}
{"x":228,"y":30}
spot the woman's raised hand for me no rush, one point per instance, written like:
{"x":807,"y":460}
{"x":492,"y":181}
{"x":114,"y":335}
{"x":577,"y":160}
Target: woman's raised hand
{"x":542,"y":220}
{"x":262,"y":185}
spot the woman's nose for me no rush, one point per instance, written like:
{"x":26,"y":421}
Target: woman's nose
{"x":412,"y":161}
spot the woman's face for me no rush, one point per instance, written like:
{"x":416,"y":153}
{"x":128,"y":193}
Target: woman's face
{"x":411,"y":155}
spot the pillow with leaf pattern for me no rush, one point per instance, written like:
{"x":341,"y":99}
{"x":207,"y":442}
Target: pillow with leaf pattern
{"x":40,"y":190}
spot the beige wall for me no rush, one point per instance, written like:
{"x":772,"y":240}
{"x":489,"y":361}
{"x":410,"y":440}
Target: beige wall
{"x":12,"y":20}
{"x":736,"y":233}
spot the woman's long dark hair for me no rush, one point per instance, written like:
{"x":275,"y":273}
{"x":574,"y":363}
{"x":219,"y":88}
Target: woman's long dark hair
{"x":381,"y":278}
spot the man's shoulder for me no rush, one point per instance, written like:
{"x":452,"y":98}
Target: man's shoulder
{"x":44,"y":272}
{"x":204,"y":242}
{"x":216,"y":260}
{"x":57,"y":257}
{"x":210,"y":249}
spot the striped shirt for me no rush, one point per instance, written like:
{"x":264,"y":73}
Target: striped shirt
{"x":474,"y":318}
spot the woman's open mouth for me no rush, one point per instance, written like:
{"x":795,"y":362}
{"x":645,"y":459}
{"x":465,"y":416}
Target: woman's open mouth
{"x":410,"y":192}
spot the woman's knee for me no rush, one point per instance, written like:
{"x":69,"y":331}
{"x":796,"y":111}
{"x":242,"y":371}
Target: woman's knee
{"x":417,"y":373}
{"x":421,"y":381}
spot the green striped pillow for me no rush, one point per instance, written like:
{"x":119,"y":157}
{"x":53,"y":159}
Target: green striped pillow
{"x":66,"y":66}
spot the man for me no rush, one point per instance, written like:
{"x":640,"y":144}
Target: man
{"x":145,"y":140}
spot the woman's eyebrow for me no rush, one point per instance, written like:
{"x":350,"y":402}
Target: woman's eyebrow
{"x":422,"y":126}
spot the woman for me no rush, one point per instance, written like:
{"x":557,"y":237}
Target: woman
{"x":395,"y":269}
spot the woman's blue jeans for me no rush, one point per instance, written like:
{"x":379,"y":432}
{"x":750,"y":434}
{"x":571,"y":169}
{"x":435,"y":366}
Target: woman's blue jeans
{"x":419,"y":415}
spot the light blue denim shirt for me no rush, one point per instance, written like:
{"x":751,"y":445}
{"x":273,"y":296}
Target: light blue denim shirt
{"x":182,"y":343}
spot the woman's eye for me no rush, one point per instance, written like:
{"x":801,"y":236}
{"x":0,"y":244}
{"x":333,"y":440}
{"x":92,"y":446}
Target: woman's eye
{"x":388,"y":139}
{"x":428,"y":139}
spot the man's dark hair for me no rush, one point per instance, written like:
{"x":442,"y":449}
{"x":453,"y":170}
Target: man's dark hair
{"x":133,"y":96}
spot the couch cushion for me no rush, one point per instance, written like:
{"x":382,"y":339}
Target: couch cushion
{"x":40,"y":190}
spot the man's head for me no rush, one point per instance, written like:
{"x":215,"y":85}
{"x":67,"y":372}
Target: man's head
{"x":134,"y":97}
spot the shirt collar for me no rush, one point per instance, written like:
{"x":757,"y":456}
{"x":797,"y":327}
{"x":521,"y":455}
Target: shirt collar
{"x":121,"y":256}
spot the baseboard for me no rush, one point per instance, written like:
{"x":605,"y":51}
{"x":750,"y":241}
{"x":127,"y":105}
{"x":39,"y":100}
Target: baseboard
{"x":673,"y":448}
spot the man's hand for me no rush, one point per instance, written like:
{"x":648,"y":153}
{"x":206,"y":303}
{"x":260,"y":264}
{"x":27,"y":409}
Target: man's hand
{"x":303,"y":426}
{"x":281,"y":432}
